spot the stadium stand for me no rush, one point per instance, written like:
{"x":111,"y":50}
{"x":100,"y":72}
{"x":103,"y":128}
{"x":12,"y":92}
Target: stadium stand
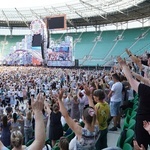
{"x":95,"y":48}
{"x":7,"y":42}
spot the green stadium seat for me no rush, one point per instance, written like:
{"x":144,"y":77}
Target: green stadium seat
{"x":70,"y":136}
{"x":131,"y":124}
{"x":126,"y":122}
{"x":125,"y":137}
{"x":29,"y":142}
{"x":56,"y":146}
{"x":127,"y":146}
{"x":133,"y":114}
{"x":65,"y":127}
{"x":129,"y":136}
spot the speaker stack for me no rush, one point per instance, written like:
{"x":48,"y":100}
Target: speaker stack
{"x":76,"y":63}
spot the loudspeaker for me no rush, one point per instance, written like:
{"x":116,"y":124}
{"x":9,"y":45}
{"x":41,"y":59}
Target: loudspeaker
{"x":76,"y":62}
{"x":47,"y":38}
{"x":36,"y":40}
{"x":42,"y":50}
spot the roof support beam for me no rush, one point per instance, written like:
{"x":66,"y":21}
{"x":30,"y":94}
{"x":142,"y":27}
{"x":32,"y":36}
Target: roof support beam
{"x":86,"y":19}
{"x":135,"y":3}
{"x":142,"y":21}
{"x":7,"y":21}
{"x":121,"y":11}
{"x":56,"y":10}
{"x":77,"y":12}
{"x":35,"y":14}
{"x":71,"y":23}
{"x":47,"y":10}
{"x":95,"y":7}
{"x":22,"y":17}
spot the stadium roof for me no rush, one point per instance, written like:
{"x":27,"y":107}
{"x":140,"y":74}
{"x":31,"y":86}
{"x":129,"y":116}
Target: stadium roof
{"x":78,"y":12}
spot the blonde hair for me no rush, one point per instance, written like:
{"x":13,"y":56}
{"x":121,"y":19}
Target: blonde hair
{"x":16,"y":139}
{"x":75,"y":97}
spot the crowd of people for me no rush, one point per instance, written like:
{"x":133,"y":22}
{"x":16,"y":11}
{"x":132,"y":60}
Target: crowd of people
{"x":37,"y":102}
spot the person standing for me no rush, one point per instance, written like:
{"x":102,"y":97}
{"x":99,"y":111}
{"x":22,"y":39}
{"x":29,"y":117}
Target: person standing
{"x":28,"y":129}
{"x":115,"y":96}
{"x":55,"y":128}
{"x":143,"y":112}
{"x":103,"y":112}
{"x":85,"y":137}
{"x":39,"y":141}
{"x":5,"y":128}
{"x":75,"y":113}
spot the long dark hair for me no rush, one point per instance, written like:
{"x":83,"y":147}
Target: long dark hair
{"x":5,"y":119}
{"x":15,"y":117}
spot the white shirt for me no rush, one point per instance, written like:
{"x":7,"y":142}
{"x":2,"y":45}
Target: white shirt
{"x":63,"y":121}
{"x":32,"y":91}
{"x":67,"y":103}
{"x":72,"y":144}
{"x":130,"y":94}
{"x":117,"y":92}
{"x":146,"y":70}
{"x":20,"y":94}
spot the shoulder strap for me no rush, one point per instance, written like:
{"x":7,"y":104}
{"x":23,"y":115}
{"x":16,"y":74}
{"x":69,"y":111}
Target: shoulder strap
{"x":46,"y":146}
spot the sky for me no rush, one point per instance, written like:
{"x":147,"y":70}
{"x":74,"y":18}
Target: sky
{"x":29,"y":3}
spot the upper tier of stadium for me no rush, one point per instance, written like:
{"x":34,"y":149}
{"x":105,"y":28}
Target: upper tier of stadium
{"x":95,"y":48}
{"x":79,"y":12}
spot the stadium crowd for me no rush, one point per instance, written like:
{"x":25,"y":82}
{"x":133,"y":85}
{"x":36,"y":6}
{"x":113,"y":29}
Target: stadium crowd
{"x":37,"y":103}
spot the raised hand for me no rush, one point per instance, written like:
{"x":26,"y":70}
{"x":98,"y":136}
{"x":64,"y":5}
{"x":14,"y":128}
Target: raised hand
{"x":38,"y":104}
{"x":47,"y":107}
{"x":146,"y":126}
{"x":87,"y":90}
{"x":137,"y":147}
{"x":60,"y":95}
{"x":128,"y":52}
{"x":134,"y":58}
{"x":121,"y":61}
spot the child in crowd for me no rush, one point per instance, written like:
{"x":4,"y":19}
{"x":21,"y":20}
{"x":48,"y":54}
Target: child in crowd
{"x":63,"y":143}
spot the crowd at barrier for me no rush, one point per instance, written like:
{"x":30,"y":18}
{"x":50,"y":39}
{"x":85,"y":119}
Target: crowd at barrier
{"x":37,"y":103}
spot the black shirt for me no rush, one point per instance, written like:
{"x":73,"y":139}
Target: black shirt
{"x":144,"y":99}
